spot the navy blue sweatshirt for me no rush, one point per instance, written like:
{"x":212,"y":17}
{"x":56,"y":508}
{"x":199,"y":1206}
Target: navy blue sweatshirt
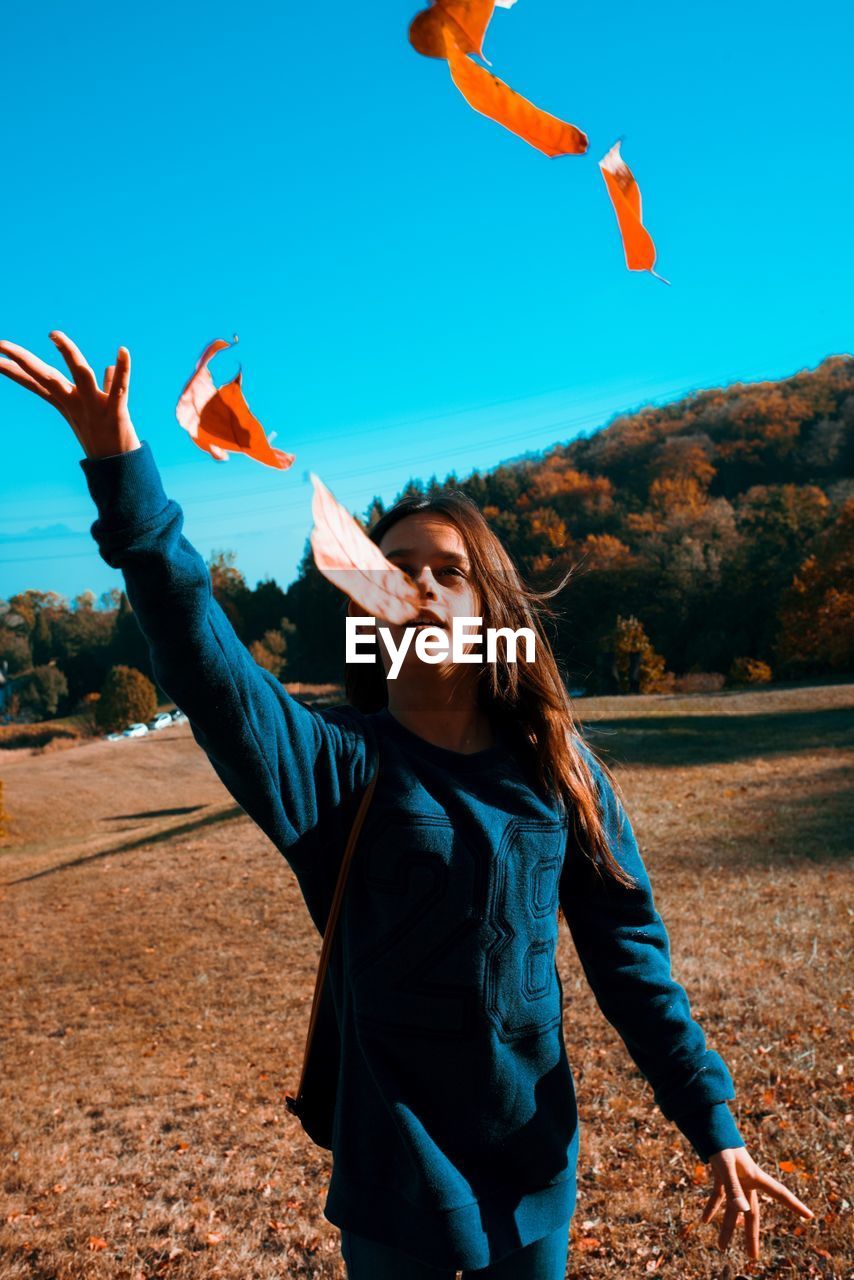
{"x":456,"y":1130}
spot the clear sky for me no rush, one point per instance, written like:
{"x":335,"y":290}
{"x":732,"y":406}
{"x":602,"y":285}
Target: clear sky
{"x":414,"y":288}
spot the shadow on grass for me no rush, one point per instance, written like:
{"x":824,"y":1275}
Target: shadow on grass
{"x":168,"y":833}
{"x":703,"y":739}
{"x":807,"y":821}
{"x":814,"y":824}
{"x":153,"y":813}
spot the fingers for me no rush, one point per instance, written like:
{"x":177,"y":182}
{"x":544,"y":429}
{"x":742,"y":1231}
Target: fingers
{"x":83,"y":375}
{"x":732,"y":1186}
{"x":728,"y":1225}
{"x":714,"y":1202}
{"x":751,"y":1226}
{"x":108,"y":377}
{"x":120,"y":380}
{"x":781,"y":1193}
{"x":51,"y":379}
{"x":16,"y":374}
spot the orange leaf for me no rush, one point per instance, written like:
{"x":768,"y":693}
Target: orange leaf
{"x":97,"y":1242}
{"x":493,"y":98}
{"x":219,"y":419}
{"x":347,"y":557}
{"x":467,"y":20}
{"x":587,"y":1242}
{"x":626,"y":199}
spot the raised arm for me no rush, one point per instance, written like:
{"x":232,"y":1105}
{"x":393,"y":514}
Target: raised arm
{"x":624,"y":950}
{"x":297,"y":772}
{"x":282,"y":761}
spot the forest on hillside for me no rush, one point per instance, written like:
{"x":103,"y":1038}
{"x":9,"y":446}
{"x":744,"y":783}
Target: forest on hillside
{"x":712,"y":537}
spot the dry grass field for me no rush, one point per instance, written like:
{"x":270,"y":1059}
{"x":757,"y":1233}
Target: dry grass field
{"x":158,"y":965}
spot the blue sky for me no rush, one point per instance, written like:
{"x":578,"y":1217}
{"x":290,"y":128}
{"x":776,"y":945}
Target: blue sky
{"x":414,"y":288}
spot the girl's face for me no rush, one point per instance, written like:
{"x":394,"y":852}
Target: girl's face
{"x":431,"y":550}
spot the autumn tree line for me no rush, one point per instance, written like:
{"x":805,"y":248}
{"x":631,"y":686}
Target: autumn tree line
{"x":711,"y":541}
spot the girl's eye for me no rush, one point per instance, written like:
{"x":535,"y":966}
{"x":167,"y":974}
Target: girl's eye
{"x":407,"y":568}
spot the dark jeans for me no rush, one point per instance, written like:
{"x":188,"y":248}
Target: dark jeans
{"x":543,"y":1260}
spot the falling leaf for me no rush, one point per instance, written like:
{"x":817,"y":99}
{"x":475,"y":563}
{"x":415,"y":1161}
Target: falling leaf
{"x":493,"y":98}
{"x":452,"y":29}
{"x":466,"y":19}
{"x":219,"y":419}
{"x":626,"y":199}
{"x":347,"y":557}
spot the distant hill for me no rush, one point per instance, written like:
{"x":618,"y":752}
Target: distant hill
{"x":693,"y":517}
{"x":712,"y":531}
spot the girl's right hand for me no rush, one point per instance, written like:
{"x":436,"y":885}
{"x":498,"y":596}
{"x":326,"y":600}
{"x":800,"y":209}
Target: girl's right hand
{"x":99,"y":418}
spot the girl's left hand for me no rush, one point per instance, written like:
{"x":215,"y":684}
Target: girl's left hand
{"x":738,"y":1181}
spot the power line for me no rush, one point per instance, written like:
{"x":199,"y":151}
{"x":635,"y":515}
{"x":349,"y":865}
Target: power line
{"x":260,"y":491}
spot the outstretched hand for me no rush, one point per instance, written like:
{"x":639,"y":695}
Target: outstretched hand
{"x":99,"y":417}
{"x":738,"y":1180}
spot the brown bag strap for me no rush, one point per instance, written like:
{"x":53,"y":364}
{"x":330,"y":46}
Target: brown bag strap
{"x":334,"y":912}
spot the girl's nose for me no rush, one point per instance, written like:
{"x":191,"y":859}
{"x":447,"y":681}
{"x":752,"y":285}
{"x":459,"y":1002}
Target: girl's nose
{"x":425,"y":580}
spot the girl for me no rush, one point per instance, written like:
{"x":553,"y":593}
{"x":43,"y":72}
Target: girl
{"x":456,"y":1131}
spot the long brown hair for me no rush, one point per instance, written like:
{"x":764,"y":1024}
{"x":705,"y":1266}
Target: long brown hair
{"x":529,"y":699}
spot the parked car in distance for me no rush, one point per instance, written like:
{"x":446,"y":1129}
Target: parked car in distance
{"x":160,"y":721}
{"x":114,"y":737}
{"x":135,"y":731}
{"x":178,"y":717}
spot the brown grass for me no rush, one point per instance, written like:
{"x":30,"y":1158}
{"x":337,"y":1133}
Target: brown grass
{"x":158,"y":965}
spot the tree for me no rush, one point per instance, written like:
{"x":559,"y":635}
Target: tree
{"x":229,"y":587}
{"x":128,"y":645}
{"x":127,"y":696}
{"x":81,"y":644}
{"x":111,"y":599}
{"x":316,"y":647}
{"x":270,"y":651}
{"x":262,"y":609}
{"x":24,"y":608}
{"x":373,"y":513}
{"x":746,"y":671}
{"x":15,"y":648}
{"x":639,"y":668}
{"x":816,"y":623}
{"x":85,"y":602}
{"x":42,"y":638}
{"x":41,"y":691}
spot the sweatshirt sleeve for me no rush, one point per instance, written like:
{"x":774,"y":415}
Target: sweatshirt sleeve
{"x":624,"y":949}
{"x":296,"y":771}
